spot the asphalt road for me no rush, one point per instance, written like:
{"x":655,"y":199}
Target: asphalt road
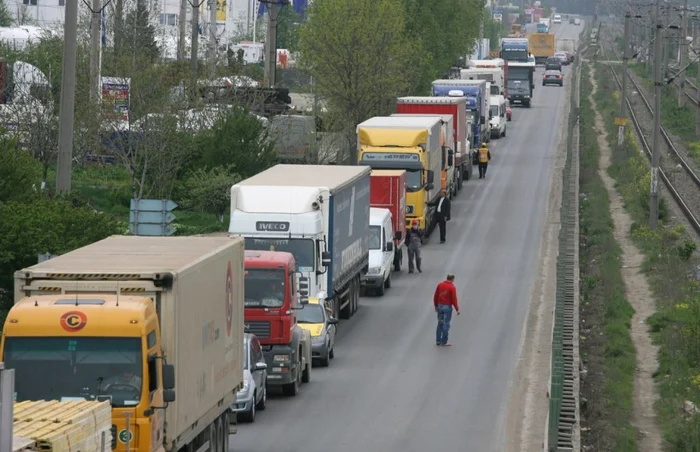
{"x":390,"y":388}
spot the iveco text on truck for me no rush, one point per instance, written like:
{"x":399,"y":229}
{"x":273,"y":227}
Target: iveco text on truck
{"x":411,"y":144}
{"x":136,"y":321}
{"x":320,"y":214}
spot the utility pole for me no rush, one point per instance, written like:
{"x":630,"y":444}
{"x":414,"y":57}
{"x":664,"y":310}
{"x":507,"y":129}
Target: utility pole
{"x":95,"y":50}
{"x":656,"y":151}
{"x":213,"y":4}
{"x":182,"y":25}
{"x":623,"y":93}
{"x":683,"y":53}
{"x":67,"y":108}
{"x":194,"y":61}
{"x":271,"y":44}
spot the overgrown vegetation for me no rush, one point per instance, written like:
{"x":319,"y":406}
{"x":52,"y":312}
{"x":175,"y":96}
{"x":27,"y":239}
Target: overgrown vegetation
{"x":670,"y":266}
{"x":606,"y":346}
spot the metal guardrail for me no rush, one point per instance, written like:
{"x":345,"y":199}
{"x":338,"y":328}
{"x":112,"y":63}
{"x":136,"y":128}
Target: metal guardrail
{"x":562,"y":434}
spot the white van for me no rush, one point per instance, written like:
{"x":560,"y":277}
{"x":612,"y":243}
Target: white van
{"x":557,"y":19}
{"x":497,"y":116}
{"x":381,"y":251}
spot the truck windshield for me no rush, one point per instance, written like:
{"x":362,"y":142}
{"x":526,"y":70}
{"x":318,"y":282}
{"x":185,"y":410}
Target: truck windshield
{"x":312,"y":313}
{"x":519,"y":73}
{"x":303,"y":250}
{"x":515,"y":55}
{"x":68,"y":368}
{"x":414,"y":181}
{"x":495,"y":90}
{"x":264,"y":288}
{"x":375,"y":237}
{"x":493,"y":110}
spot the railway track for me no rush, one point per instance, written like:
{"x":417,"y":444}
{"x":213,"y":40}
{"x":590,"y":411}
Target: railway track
{"x":684,"y":184}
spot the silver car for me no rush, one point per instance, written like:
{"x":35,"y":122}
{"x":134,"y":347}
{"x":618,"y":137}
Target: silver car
{"x":253,"y":396}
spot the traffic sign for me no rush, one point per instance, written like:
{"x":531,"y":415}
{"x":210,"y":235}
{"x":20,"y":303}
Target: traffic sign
{"x":151,"y":217}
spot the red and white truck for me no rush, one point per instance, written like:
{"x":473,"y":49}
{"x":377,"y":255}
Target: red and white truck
{"x":387,"y":190}
{"x":455,"y":106}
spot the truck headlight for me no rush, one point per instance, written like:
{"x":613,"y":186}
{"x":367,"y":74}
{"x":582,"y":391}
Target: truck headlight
{"x":374,"y":270}
{"x":280,"y":358}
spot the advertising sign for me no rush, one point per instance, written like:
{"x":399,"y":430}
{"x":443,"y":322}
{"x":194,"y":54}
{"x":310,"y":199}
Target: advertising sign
{"x":115,"y":98}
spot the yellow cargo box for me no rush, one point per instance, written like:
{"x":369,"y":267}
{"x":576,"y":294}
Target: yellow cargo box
{"x":541,"y":46}
{"x":54,"y":426}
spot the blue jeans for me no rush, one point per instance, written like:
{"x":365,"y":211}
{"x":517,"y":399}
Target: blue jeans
{"x":444,"y":316}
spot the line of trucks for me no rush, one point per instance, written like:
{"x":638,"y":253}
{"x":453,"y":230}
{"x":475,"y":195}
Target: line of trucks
{"x":156,"y":325}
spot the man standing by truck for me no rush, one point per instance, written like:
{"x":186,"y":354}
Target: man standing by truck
{"x":442,"y":213}
{"x":414,"y":241}
{"x":484,"y":157}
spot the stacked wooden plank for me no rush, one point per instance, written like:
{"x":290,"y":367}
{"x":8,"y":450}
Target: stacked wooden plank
{"x":75,"y":426}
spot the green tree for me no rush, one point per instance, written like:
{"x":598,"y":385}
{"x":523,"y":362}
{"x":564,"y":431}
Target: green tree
{"x":359,"y":55}
{"x":288,"y":22}
{"x":139,"y":36}
{"x":238,"y":141}
{"x":5,"y":16}
{"x":20,"y":173}
{"x":209,"y":190}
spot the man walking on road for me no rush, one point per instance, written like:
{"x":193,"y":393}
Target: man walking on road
{"x":414,"y":241}
{"x":443,"y":213}
{"x":445,"y":299}
{"x":484,"y":157}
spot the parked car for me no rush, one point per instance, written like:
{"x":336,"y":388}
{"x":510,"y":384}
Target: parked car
{"x":509,"y":111}
{"x":253,"y":396}
{"x":577,"y":21}
{"x":317,"y":320}
{"x":562,"y":57}
{"x":571,"y":21}
{"x":553,"y":77}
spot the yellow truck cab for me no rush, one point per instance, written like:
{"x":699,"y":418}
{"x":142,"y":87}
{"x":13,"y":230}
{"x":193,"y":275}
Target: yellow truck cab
{"x":411,"y":144}
{"x":135,"y":321}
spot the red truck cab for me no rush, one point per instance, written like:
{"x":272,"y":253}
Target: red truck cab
{"x":387,"y":190}
{"x":271,"y":300}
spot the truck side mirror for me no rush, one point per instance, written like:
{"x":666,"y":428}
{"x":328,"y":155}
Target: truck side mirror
{"x":430,"y":186}
{"x":450,"y":158}
{"x":431,"y":177}
{"x":389,"y":247}
{"x":168,"y":395}
{"x":326,"y":259}
{"x":168,"y":377}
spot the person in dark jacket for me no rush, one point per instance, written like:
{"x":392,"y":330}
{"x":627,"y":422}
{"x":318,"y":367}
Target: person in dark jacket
{"x":442,"y":213}
{"x":445,"y":299}
{"x":414,"y":242}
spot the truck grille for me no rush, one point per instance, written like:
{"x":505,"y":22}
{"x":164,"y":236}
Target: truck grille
{"x":261,"y":329}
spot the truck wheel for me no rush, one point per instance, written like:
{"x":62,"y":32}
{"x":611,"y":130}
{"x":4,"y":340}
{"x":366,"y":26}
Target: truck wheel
{"x":212,"y":436}
{"x":356,"y":305}
{"x":220,"y":435}
{"x":381,"y":289}
{"x":225,"y":438}
{"x":292,"y":389}
{"x":306,"y":375}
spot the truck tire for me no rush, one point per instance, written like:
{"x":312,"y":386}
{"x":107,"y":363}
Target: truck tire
{"x":225,"y":438}
{"x":346,"y":312}
{"x":212,"y":436}
{"x":306,"y":374}
{"x":220,"y":435}
{"x":357,"y":294}
{"x":292,"y":389}
{"x":381,"y":290}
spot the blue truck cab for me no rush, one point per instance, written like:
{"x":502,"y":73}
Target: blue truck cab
{"x":475,"y":102}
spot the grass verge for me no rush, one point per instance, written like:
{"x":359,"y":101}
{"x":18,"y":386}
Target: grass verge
{"x":670,"y":266}
{"x":606,"y":346}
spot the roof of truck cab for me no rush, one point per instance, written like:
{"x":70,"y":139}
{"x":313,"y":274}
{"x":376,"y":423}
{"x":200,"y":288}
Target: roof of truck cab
{"x":136,"y":254}
{"x":330,"y":176}
{"x":385,"y":172}
{"x":431,"y":100}
{"x":275,"y":257}
{"x":416,"y":122}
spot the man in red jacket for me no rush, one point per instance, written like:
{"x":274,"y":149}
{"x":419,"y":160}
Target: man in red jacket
{"x":444,"y":299}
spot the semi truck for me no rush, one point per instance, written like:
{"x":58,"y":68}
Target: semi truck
{"x":477,"y":105}
{"x":387,"y":190}
{"x":136,"y":321}
{"x":541,"y":46}
{"x":482,"y":87}
{"x":491,"y":65}
{"x":515,"y":49}
{"x":271,"y":301}
{"x":448,"y":175}
{"x":319,"y":214}
{"x":455,"y":106}
{"x":494,"y":76}
{"x":411,"y":144}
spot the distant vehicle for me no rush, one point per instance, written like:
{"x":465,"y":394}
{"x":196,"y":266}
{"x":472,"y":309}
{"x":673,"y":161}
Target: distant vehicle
{"x":553,"y":64}
{"x":570,"y":55}
{"x":556,"y":19}
{"x":381,"y":250}
{"x":253,"y":396}
{"x":572,"y":21}
{"x":497,"y":116}
{"x":316,"y":319}
{"x":577,"y":21}
{"x":562,"y":57}
{"x":553,"y":77}
{"x":509,"y":111}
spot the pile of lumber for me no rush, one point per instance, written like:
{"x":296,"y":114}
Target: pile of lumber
{"x":75,"y":426}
